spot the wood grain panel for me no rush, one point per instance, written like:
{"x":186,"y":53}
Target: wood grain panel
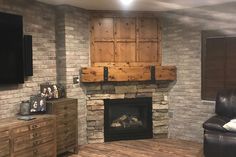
{"x":103,"y":52}
{"x":148,"y":28}
{"x":142,"y":148}
{"x":122,"y":39}
{"x":65,"y":110}
{"x":125,"y":52}
{"x":22,"y":143}
{"x":95,"y":74}
{"x":102,"y":28}
{"x":165,"y":73}
{"x":129,"y":74}
{"x":125,"y":28}
{"x":92,"y":74}
{"x":148,"y":52}
{"x":127,"y":64}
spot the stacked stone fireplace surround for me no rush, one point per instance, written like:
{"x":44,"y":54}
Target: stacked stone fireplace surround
{"x":97,"y":93}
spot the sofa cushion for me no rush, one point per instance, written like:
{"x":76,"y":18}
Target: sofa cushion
{"x":216,"y":123}
{"x":219,"y":144}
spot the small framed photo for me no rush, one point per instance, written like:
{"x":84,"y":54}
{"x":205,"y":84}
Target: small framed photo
{"x":52,"y":91}
{"x":37,"y":104}
{"x":47,"y":91}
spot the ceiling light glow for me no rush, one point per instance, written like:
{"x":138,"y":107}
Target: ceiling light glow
{"x":126,"y":2}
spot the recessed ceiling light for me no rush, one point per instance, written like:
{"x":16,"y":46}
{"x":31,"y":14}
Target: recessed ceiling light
{"x":126,"y":2}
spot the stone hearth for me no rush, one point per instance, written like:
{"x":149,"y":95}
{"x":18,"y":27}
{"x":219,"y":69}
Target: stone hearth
{"x":97,"y":93}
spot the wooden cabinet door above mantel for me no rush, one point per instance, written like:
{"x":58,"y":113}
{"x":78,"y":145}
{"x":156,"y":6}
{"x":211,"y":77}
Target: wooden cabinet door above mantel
{"x":120,"y":40}
{"x":126,"y":48}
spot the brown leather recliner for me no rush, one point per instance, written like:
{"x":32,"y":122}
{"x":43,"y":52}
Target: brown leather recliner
{"x":218,"y":142}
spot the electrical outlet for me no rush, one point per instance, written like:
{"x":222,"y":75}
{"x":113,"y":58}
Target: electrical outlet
{"x":76,"y":80}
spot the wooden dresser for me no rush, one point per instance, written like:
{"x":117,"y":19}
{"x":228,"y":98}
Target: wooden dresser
{"x":34,"y":138}
{"x":4,"y":141}
{"x":66,"y":113}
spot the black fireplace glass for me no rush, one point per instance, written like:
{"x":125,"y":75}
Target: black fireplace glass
{"x":126,"y":119}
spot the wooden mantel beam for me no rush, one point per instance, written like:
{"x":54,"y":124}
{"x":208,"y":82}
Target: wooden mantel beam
{"x":120,"y":74}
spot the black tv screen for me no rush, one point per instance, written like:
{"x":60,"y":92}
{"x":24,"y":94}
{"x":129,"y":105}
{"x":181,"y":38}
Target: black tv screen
{"x":11,"y":49}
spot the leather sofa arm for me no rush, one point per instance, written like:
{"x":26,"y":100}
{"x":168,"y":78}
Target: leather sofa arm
{"x":216,"y":123}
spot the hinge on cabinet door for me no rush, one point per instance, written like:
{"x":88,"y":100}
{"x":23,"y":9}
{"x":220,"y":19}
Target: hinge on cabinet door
{"x":153,"y":73}
{"x":105,"y":74}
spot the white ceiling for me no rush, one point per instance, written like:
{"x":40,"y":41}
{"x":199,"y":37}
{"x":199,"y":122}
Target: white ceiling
{"x":137,"y":5}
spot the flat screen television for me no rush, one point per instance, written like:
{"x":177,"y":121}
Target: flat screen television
{"x":11,"y":49}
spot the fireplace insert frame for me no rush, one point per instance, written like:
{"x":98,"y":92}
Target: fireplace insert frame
{"x":111,"y":134}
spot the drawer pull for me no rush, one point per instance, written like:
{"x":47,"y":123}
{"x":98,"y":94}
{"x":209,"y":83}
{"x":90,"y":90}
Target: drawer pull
{"x":65,"y":108}
{"x":35,"y":135}
{"x":35,"y":126}
{"x":35,"y":151}
{"x":35,"y":143}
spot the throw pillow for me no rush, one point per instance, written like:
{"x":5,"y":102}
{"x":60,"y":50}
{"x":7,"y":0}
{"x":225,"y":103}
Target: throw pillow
{"x":230,"y":126}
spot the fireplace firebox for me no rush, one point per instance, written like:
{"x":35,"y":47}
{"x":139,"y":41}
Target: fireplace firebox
{"x":128,"y":119}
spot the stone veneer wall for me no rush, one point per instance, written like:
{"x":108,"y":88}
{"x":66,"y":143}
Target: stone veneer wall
{"x":181,"y":42}
{"x":72,"y":36}
{"x":181,"y":46}
{"x":96,"y":93}
{"x":39,"y":21}
{"x":60,"y":48}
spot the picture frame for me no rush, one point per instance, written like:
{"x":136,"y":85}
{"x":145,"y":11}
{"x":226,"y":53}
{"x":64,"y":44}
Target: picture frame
{"x":52,"y":91}
{"x":37,"y":104}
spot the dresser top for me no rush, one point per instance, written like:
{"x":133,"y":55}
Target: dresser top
{"x":61,"y":100}
{"x":14,"y":122}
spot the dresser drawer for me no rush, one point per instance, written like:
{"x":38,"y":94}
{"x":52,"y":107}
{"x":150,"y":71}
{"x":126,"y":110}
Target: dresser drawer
{"x":33,"y":135}
{"x":34,"y":138}
{"x":30,"y":127}
{"x":66,"y":118}
{"x":66,"y":123}
{"x":21,"y":129}
{"x":4,"y":134}
{"x":4,"y":147}
{"x":4,"y":153}
{"x":68,"y":136}
{"x":24,"y":144}
{"x":46,"y":150}
{"x":65,"y":108}
{"x":66,"y":127}
{"x":41,"y":124}
{"x":69,"y":144}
